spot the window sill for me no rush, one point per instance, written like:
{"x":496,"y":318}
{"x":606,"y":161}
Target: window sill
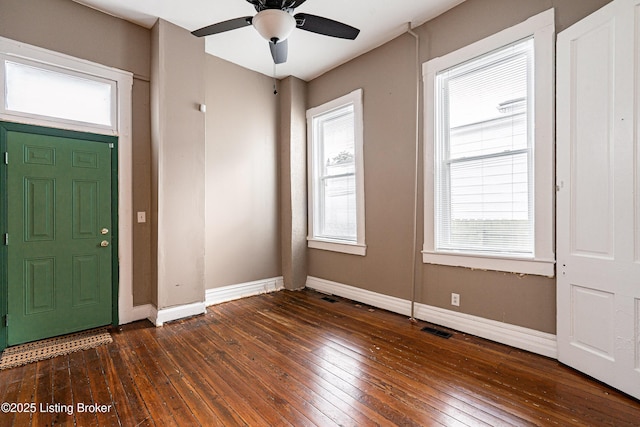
{"x":335,"y":246}
{"x":538,"y":267}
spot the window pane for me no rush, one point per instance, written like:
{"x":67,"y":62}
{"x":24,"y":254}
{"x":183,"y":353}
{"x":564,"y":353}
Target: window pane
{"x":338,"y":142}
{"x":48,"y":93}
{"x":335,"y":132}
{"x":488,"y":189}
{"x":490,"y":137}
{"x":486,"y":102}
{"x":489,"y":205}
{"x":338,"y":216}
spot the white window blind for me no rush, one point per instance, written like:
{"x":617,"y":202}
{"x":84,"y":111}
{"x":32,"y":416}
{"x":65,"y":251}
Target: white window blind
{"x":484,"y":152}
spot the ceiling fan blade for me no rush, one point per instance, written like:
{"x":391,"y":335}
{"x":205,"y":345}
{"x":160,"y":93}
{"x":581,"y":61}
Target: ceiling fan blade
{"x":221,"y":27}
{"x":294,"y":3}
{"x":279,"y":51}
{"x":325,"y":26}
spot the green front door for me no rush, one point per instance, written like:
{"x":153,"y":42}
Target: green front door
{"x":60,"y":232}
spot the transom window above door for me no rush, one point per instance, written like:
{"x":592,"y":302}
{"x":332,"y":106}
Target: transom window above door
{"x":38,"y":90}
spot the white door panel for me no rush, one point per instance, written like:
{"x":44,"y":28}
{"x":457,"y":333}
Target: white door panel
{"x":598,"y":177}
{"x":591,"y":151}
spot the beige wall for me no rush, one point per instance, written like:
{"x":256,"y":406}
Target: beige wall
{"x":387,"y":76}
{"x":67,"y":27}
{"x":293,"y":182}
{"x":178,"y":147}
{"x":242,"y":200}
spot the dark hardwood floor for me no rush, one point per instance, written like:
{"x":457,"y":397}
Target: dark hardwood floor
{"x":292,"y":358}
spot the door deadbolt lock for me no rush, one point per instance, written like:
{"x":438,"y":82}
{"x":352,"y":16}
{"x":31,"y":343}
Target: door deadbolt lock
{"x":104,"y":231}
{"x":104,"y":243}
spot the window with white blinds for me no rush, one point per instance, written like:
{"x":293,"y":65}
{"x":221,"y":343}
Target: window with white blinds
{"x":336,"y":202}
{"x":489,"y":144}
{"x":484,"y":182}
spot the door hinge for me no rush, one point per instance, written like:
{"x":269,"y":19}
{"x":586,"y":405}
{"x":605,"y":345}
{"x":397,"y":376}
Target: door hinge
{"x":111,"y":145}
{"x":6,"y":158}
{"x":5,"y":320}
{"x":6,"y":239}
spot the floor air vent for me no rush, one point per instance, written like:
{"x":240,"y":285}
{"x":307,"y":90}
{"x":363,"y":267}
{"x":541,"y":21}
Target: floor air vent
{"x":436,"y":332}
{"x":329,"y":299}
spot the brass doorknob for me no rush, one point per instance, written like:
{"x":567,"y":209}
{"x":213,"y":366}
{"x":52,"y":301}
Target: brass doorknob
{"x":104,"y":243}
{"x":104,"y":231}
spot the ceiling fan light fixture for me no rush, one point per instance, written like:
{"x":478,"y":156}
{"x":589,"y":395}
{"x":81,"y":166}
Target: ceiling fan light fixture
{"x":274,"y":24}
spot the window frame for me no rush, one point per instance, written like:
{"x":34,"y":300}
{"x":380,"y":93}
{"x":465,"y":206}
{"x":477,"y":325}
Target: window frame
{"x":119,"y":81}
{"x":357,"y":246}
{"x":541,"y":28}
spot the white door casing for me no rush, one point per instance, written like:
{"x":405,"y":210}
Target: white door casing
{"x":598,"y":205}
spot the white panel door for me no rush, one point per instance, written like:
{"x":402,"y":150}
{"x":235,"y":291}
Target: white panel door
{"x":598,"y":205}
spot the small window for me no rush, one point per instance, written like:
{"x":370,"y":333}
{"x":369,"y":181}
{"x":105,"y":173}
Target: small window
{"x":336,"y":202}
{"x":39,"y":90}
{"x":489,"y":138}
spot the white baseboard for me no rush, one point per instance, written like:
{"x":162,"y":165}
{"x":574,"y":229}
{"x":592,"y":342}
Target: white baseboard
{"x":396,"y":305}
{"x":212,"y":296}
{"x":242,"y":290}
{"x":164,"y":315}
{"x":515,"y":336}
{"x":527,"y":339}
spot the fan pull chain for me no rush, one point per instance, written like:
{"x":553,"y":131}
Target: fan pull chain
{"x":275,"y":91}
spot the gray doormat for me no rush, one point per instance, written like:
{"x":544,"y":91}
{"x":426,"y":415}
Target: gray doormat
{"x":52,"y":347}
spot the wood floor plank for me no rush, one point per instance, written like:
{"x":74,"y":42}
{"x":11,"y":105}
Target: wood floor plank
{"x":13,"y":382}
{"x":63,"y":408}
{"x":196,"y":402}
{"x":81,"y":388}
{"x":100,"y":389}
{"x":237,"y":376}
{"x":25,"y":394}
{"x":448,"y":398}
{"x":43,"y":396}
{"x":260,"y":345}
{"x":304,"y":396}
{"x":295,"y":359}
{"x":452,"y":369}
{"x":345,"y":380}
{"x":233,"y":398}
{"x":300,"y":406}
{"x":502,"y":389}
{"x":403,"y":414}
{"x":129,"y":404}
{"x":160,"y":385}
{"x":158,"y":409}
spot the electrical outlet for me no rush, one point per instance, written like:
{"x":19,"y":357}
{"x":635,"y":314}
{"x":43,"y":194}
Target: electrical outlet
{"x":455,"y":299}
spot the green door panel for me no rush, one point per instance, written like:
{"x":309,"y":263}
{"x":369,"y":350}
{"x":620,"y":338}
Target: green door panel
{"x":59,"y":220}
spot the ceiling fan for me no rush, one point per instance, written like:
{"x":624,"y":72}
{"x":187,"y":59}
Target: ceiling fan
{"x":275,"y":21}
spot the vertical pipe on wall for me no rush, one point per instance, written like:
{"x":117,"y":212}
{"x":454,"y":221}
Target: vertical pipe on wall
{"x":415,"y":182}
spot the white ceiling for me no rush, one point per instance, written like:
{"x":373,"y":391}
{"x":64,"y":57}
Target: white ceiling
{"x":310,"y":55}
